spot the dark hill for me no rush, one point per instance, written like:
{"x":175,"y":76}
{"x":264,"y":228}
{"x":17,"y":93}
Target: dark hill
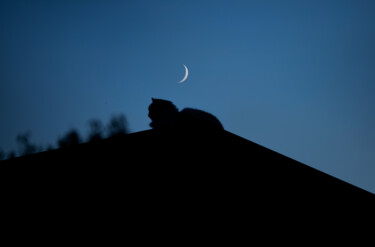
{"x":174,"y":175}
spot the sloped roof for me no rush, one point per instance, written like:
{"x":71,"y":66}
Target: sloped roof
{"x":158,"y":166}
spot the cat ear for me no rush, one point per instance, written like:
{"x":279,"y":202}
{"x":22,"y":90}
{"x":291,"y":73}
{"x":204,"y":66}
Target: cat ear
{"x":153,"y":99}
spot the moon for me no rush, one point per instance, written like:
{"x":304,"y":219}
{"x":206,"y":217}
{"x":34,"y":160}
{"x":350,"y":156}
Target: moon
{"x":186,"y":74}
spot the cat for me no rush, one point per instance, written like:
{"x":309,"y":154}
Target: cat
{"x":164,"y":114}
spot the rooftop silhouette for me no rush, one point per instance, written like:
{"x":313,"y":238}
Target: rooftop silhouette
{"x":199,"y":170}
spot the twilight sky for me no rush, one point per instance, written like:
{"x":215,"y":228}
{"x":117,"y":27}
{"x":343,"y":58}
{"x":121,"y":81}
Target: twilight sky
{"x":297,"y":77}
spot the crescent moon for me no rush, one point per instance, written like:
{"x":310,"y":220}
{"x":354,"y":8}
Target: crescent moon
{"x":186,"y":74}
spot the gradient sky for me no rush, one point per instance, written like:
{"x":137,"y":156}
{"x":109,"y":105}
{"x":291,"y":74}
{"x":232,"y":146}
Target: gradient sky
{"x":294,"y":76}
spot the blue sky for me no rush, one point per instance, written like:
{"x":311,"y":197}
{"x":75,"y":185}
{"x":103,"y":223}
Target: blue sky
{"x":294,"y":76}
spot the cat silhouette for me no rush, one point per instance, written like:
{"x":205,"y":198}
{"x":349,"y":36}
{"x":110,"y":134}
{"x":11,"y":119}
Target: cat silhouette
{"x":164,"y":114}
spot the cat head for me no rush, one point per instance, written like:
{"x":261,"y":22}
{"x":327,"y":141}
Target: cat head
{"x":162,"y":112}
